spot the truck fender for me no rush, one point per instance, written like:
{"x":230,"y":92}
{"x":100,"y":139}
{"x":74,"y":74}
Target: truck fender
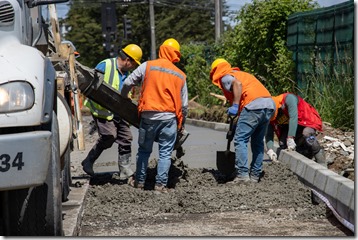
{"x":64,"y":117}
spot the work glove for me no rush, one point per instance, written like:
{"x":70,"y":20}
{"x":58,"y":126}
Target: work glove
{"x":291,"y":145}
{"x":233,"y":110}
{"x":272,"y":155}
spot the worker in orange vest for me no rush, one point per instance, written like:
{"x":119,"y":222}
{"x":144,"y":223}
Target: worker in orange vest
{"x":295,"y":123}
{"x":162,"y":108}
{"x":253,"y":105}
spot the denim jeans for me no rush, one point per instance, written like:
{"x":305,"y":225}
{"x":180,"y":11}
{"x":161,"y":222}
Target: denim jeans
{"x":251,"y":124}
{"x":164,"y":132}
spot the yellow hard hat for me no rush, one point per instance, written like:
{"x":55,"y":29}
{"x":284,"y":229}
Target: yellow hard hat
{"x":173,"y":43}
{"x":217,"y":62}
{"x":133,"y":51}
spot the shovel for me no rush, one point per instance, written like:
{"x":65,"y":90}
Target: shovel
{"x":225,"y":160}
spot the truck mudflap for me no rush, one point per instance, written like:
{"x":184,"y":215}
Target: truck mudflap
{"x":24,"y":159}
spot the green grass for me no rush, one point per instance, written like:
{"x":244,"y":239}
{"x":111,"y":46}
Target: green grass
{"x":332,"y":94}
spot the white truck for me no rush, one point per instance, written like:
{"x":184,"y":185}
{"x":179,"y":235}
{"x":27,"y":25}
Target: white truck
{"x":36,"y":124}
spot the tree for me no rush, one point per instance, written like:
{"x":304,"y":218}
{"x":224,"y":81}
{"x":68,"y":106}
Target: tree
{"x":85,"y":32}
{"x":195,"y":63}
{"x":258,"y":43}
{"x":187,"y":21}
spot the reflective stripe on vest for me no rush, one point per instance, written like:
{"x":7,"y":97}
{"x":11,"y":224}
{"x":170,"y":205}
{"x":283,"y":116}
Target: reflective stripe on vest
{"x":166,"y":70}
{"x":161,"y":89}
{"x":112,"y":79}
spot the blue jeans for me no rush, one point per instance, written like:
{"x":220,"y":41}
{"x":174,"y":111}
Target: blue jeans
{"x":251,"y":124}
{"x":164,"y":132}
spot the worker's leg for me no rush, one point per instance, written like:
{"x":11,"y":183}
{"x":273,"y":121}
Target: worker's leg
{"x":246,"y":125}
{"x":124,"y":141}
{"x":107,"y":134}
{"x":146,"y":136}
{"x":166,"y":140}
{"x":257,"y":142}
{"x":312,"y":143}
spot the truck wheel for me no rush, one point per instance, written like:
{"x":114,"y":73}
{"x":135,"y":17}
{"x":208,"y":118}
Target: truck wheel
{"x":64,"y":117}
{"x":37,"y":211}
{"x":66,"y":176}
{"x":53,"y":184}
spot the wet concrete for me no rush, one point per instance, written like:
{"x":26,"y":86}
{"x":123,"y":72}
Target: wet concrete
{"x":202,"y":203}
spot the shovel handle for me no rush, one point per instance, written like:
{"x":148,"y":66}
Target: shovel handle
{"x":230,"y":133}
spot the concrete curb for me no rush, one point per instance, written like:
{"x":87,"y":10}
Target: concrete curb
{"x":337,"y":189}
{"x":73,"y":210}
{"x":212,"y":125}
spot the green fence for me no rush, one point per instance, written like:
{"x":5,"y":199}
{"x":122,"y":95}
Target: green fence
{"x":322,"y":41}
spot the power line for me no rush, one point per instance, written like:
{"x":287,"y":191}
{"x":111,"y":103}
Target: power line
{"x":184,"y":6}
{"x":174,"y":4}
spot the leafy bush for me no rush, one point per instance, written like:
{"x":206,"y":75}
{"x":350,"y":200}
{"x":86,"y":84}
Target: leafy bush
{"x":195,"y":63}
{"x":258,"y":43}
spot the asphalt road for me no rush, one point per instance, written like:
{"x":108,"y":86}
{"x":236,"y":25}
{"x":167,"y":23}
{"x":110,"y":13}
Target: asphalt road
{"x":200,"y":149}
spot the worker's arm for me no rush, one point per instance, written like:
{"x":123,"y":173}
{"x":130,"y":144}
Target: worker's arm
{"x":237,"y":91}
{"x":291,"y":103}
{"x":269,"y":143}
{"x":101,"y":67}
{"x":233,"y":85}
{"x":269,"y":137}
{"x":134,"y":79}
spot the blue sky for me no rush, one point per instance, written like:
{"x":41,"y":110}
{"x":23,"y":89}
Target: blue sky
{"x":235,"y":5}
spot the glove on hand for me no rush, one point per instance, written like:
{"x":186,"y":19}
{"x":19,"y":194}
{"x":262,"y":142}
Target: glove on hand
{"x":291,"y":145}
{"x":233,"y":110}
{"x":272,"y":155}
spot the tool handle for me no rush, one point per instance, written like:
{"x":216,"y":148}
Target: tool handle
{"x":230,"y":133}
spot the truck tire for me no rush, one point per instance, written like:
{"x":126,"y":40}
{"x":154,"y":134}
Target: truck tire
{"x":53,"y":181}
{"x":66,"y":176}
{"x":37,"y":211}
{"x":64,"y":117}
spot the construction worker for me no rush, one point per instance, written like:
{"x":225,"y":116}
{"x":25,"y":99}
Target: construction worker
{"x":295,"y":123}
{"x":253,"y":105}
{"x":111,"y":128}
{"x":162,"y":108}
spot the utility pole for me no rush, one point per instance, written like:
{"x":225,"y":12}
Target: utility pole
{"x":218,"y":19}
{"x":153,"y":54}
{"x":109,"y":28}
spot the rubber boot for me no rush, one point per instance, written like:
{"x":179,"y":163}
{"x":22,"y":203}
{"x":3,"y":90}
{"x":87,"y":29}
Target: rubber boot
{"x":87,"y":163}
{"x":321,"y":158}
{"x":87,"y":166}
{"x":124,"y":165}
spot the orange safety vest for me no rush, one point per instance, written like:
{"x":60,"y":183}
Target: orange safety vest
{"x":307,"y":115}
{"x":161,"y":88}
{"x":252,"y":88}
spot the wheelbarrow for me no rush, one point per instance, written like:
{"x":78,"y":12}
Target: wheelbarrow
{"x":225,"y":160}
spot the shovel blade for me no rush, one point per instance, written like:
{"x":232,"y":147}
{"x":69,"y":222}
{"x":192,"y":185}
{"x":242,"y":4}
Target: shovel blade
{"x":225,"y":162}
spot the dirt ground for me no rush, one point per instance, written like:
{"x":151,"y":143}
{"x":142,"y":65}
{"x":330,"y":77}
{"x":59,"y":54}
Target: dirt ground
{"x":202,"y":204}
